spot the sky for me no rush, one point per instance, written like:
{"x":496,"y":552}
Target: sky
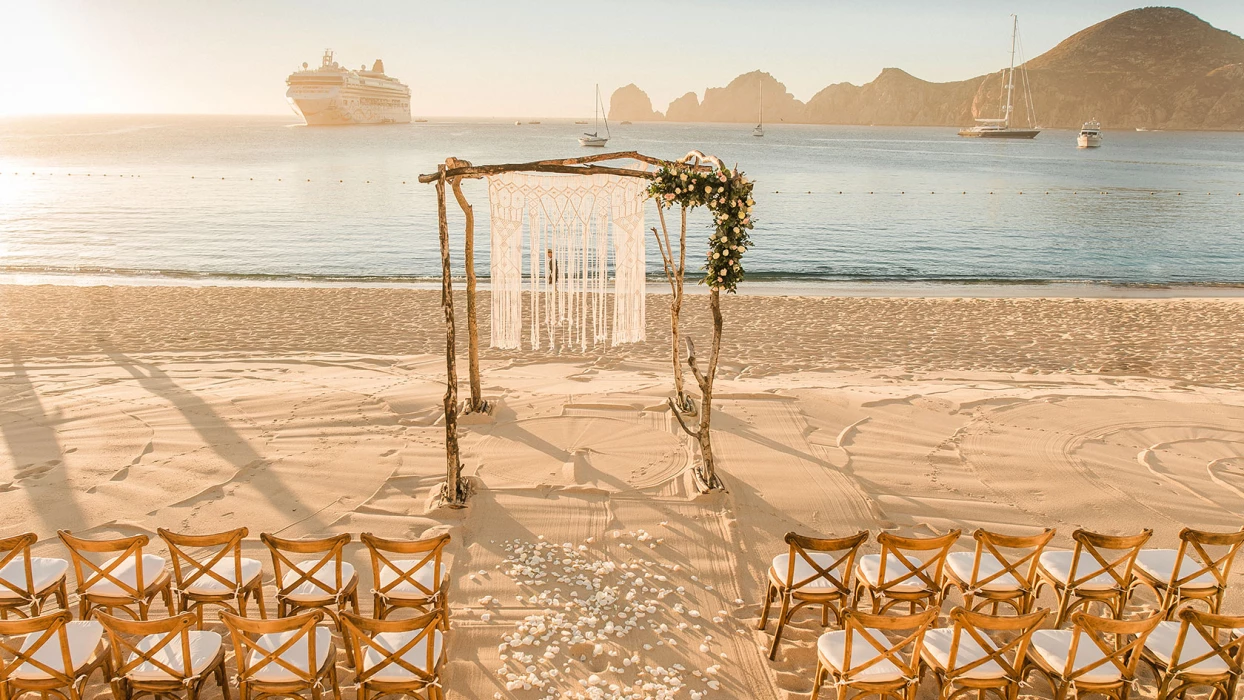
{"x":503,"y":58}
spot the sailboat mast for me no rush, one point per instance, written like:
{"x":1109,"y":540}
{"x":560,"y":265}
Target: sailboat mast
{"x":760,"y":108}
{"x":1010,"y":76}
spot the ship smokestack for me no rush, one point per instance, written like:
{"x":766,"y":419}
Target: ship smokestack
{"x":378,"y":67}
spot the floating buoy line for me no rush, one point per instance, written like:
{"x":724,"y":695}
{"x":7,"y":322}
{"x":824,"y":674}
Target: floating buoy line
{"x":412,"y":180}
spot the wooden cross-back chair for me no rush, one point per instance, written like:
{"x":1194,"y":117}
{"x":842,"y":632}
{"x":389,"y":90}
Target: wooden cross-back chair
{"x":164,"y":657}
{"x":1197,"y":571}
{"x":283,"y":656}
{"x":1098,"y":655}
{"x":26,"y":582}
{"x":813,"y":571}
{"x":406,"y":573}
{"x":317,"y":583}
{"x":1201,"y":649}
{"x":218,"y":576}
{"x":51,"y":655}
{"x":863,"y":657}
{"x":397,"y":657}
{"x":130,"y":578}
{"x":1000,"y":570}
{"x":980,"y":653}
{"x":1099,"y":570}
{"x":908,"y":570}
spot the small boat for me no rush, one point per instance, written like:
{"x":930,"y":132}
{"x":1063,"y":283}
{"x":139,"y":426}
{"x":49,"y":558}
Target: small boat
{"x":1090,"y":135}
{"x":759,"y":131}
{"x":533,"y":122}
{"x":625,"y":123}
{"x":580,"y":122}
{"x":1001,"y":128}
{"x":1141,"y":128}
{"x":594,"y":139}
{"x":518,"y":123}
{"x":421,"y":121}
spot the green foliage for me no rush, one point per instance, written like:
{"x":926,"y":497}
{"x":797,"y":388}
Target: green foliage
{"x":728,"y":196}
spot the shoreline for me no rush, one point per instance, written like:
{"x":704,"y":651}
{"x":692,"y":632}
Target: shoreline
{"x":976,"y":289}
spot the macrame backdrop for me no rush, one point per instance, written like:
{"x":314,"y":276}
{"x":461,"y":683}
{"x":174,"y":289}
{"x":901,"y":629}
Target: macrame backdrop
{"x":575,"y":217}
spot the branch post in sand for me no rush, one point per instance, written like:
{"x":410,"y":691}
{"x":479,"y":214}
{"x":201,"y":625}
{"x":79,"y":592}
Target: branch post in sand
{"x":728,"y":196}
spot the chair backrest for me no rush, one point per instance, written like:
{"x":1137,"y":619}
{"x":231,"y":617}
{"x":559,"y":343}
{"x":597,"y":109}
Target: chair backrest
{"x":1003,"y":639}
{"x":1120,"y":642}
{"x":837,"y":573}
{"x":17,"y":548}
{"x":189,"y":569}
{"x":1018,"y":556}
{"x":245,"y":633}
{"x":923,"y":557}
{"x":34,"y":634}
{"x":421,"y":552}
{"x":1209,"y":628}
{"x":330,"y":550}
{"x":361,"y":634}
{"x":88,"y":573}
{"x":126,"y":637}
{"x":1198,"y":544}
{"x":1111,"y":555}
{"x":904,"y":653}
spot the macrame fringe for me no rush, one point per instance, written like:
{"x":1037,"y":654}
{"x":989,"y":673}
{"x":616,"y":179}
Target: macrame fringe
{"x":570,"y":221}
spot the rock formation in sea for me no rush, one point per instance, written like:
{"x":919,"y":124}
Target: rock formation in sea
{"x":1156,"y":67}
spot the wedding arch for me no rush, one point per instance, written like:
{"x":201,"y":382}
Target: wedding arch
{"x":574,"y":215}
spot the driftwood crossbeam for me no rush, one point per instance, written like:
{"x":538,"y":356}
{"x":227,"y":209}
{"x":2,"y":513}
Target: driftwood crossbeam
{"x":453,"y":172}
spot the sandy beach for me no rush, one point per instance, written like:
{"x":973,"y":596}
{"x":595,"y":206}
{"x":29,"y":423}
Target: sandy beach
{"x":315,"y":411}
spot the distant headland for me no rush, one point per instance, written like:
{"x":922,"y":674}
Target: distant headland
{"x":1153,"y":68}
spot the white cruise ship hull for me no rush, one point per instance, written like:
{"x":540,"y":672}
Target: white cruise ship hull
{"x":332,"y":107}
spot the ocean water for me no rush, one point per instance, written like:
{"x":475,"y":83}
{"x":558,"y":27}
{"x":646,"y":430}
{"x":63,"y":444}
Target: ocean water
{"x":265,"y":198}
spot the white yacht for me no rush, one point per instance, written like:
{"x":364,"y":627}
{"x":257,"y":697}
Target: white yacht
{"x":594,"y":139}
{"x":333,"y":94}
{"x":759,"y":131}
{"x":1090,"y":135}
{"x":1001,"y":128}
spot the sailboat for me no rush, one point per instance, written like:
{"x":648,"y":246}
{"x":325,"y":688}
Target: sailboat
{"x":759,"y":131}
{"x":1001,"y":128}
{"x":594,"y":139}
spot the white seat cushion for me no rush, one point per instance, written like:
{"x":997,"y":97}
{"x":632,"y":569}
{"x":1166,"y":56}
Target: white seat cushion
{"x":203,"y":649}
{"x":960,"y":564}
{"x":295,"y":655}
{"x":307,"y":591}
{"x":84,"y":638}
{"x":405,"y":589}
{"x":1058,"y":565}
{"x":225,"y":568}
{"x":869,"y":569}
{"x":417,"y":656}
{"x":1160,"y":564}
{"x":832,"y":648}
{"x":937,"y":646}
{"x":781,"y":565}
{"x":127,"y":573}
{"x":1055,"y":645}
{"x":1162,"y":644}
{"x":46,"y":572}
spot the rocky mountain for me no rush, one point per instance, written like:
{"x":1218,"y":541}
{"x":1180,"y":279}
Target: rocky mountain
{"x":1155,"y":67}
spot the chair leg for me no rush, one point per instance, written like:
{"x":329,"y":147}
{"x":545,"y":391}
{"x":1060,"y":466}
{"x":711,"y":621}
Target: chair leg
{"x":764,"y":612}
{"x":222,"y":679}
{"x":377,"y":610}
{"x":817,"y":679}
{"x":332,"y":672}
{"x":781,"y":624}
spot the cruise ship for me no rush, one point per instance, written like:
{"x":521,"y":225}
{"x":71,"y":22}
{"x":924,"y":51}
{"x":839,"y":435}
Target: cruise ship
{"x":333,"y":94}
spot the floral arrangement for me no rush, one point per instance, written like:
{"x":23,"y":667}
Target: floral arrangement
{"x":728,"y":195}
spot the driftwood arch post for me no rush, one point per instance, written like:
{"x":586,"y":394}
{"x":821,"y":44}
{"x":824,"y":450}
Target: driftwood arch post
{"x":451,"y":174}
